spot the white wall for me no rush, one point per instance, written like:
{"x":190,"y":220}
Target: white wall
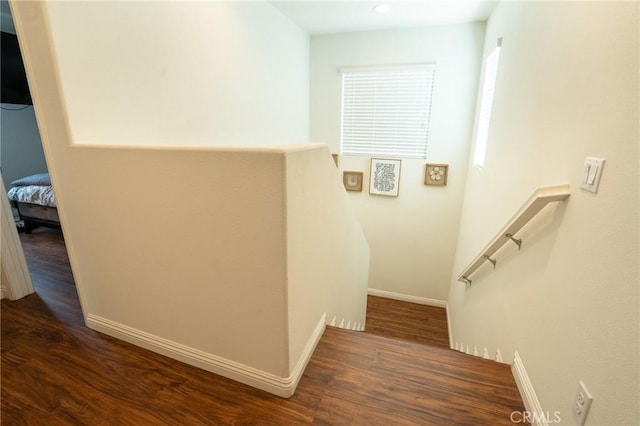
{"x":181,"y":73}
{"x":412,"y":237}
{"x":567,"y":88}
{"x":188,"y":250}
{"x":184,"y":250}
{"x":20,"y":145}
{"x":327,"y":254}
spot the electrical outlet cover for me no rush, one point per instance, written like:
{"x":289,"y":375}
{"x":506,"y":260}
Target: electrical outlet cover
{"x":582,"y":403}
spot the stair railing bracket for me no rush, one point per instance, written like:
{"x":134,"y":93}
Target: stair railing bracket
{"x":493,"y":261}
{"x":517,"y":241}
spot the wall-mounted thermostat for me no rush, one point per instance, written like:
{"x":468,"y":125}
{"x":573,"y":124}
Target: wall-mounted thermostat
{"x":591,"y":174}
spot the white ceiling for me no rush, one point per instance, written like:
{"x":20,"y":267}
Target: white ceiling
{"x":337,"y":16}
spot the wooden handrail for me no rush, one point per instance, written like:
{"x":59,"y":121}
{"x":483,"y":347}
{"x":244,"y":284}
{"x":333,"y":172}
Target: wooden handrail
{"x":540,"y":198}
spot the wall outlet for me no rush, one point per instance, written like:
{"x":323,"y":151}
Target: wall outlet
{"x":582,"y":403}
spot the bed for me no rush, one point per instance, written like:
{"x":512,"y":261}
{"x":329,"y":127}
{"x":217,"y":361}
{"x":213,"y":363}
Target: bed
{"x":35,"y":201}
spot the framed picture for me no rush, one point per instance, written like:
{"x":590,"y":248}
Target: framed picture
{"x":335,"y":159}
{"x":436,"y":174}
{"x":385,"y":177}
{"x":352,"y":181}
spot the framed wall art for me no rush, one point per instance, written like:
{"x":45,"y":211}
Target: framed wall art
{"x":436,"y":174}
{"x":385,"y":177}
{"x":352,"y":181}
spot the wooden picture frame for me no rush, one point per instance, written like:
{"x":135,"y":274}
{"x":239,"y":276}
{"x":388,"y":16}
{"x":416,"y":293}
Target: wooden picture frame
{"x":385,"y":177}
{"x":352,"y":181}
{"x":436,"y":174}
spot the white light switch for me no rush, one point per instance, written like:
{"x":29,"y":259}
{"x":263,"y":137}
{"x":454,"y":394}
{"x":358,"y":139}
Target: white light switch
{"x":591,"y":174}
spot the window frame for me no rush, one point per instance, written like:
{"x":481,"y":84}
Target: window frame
{"x":485,"y":105}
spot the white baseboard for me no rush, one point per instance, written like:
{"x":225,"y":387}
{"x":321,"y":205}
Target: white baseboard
{"x":528,"y":394}
{"x":408,"y":298}
{"x":4,"y":293}
{"x":446,"y":307}
{"x":280,"y":386}
{"x":308,"y":350}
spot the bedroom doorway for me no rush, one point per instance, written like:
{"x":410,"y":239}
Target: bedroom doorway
{"x":21,"y":155}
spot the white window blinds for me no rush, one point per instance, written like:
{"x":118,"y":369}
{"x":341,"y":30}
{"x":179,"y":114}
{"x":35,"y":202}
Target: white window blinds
{"x":387,"y":111}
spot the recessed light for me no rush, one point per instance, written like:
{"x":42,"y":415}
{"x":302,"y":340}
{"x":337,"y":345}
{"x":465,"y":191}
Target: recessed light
{"x":381,"y":8}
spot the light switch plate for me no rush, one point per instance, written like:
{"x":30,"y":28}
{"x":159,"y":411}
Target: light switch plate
{"x":591,"y":174}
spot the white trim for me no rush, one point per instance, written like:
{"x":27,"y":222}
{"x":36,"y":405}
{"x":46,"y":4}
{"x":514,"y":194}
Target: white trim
{"x":499,"y":356}
{"x":485,"y":353}
{"x":407,"y":298}
{"x":280,"y":386}
{"x":13,"y":266}
{"x":446,"y":307}
{"x":308,"y":350}
{"x":428,"y":66}
{"x":528,"y":394}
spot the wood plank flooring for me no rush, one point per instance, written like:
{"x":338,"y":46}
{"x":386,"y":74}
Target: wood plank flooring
{"x":407,"y":321}
{"x":57,"y":371}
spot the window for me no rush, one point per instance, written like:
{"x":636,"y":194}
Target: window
{"x":386,"y":111}
{"x":484,"y":116}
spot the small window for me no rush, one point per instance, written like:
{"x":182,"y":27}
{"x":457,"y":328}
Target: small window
{"x":387,"y":111}
{"x":484,"y":116}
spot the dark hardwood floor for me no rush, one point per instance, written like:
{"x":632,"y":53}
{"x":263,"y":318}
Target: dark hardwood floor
{"x":407,"y":321}
{"x":398,"y":372}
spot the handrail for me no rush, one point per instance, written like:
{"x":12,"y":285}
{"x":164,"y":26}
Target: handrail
{"x":540,"y":198}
